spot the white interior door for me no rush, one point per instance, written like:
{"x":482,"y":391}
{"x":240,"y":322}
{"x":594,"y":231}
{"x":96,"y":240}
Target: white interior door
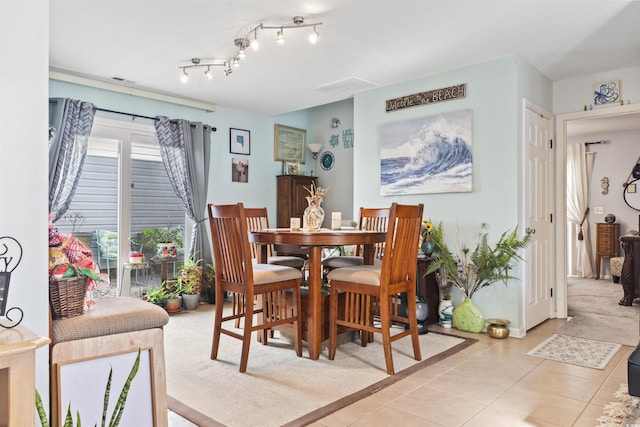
{"x":538,"y":201}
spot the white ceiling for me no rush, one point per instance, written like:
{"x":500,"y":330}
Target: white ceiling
{"x":362,"y":44}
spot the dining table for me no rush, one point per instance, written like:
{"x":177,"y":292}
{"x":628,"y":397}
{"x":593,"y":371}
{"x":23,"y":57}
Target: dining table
{"x":313,"y":242}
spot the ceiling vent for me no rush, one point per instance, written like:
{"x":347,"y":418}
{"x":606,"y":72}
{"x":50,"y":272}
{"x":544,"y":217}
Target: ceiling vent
{"x":345,"y":88}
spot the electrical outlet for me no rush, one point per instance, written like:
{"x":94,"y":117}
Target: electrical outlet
{"x":598,"y":210}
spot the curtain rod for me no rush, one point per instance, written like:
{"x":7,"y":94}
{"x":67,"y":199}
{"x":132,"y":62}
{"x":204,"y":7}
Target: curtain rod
{"x":595,"y":142}
{"x":213,"y":129}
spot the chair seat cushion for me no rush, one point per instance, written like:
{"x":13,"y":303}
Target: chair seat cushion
{"x":365,"y":274}
{"x":347,"y":261}
{"x":343,"y":261}
{"x":289,"y":261}
{"x":269,"y":273}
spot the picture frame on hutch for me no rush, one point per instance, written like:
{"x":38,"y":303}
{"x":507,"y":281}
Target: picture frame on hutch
{"x":239,"y":141}
{"x":289,"y":144}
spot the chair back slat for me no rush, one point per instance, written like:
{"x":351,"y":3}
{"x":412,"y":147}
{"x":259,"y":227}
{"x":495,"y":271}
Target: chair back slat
{"x":257,"y":220}
{"x":399,"y":261}
{"x":373,"y":219}
{"x":230,"y":242}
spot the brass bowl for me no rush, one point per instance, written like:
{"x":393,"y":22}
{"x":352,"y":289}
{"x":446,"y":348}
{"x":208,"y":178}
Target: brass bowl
{"x":498,"y":328}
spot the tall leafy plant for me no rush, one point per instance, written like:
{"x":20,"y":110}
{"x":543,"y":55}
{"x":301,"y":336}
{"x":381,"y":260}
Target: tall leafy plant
{"x":473,"y":268}
{"x":116,"y":415}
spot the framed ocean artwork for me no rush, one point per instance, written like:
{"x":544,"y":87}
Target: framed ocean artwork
{"x":427,"y":155}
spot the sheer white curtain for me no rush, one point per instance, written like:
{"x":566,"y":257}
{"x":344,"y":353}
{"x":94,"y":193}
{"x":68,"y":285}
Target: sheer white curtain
{"x":579,"y":167}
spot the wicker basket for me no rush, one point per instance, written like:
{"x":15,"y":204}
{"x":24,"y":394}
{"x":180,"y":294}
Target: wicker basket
{"x":67,"y":295}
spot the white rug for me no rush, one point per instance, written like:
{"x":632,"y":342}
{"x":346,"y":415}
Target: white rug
{"x":624,"y":411}
{"x":278,"y":387}
{"x":576,"y":351}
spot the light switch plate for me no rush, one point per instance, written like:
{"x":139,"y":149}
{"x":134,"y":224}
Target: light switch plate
{"x":598,"y":210}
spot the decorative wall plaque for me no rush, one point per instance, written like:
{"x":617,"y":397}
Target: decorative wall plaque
{"x":428,"y":97}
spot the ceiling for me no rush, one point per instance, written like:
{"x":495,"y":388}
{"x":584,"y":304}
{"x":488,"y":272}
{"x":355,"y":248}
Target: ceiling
{"x":362,"y":44}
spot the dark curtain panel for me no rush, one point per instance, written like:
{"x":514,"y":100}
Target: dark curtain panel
{"x":185,"y":150}
{"x":70,"y":124}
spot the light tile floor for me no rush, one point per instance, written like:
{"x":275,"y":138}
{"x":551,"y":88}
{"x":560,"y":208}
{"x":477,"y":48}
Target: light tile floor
{"x":491,"y":383}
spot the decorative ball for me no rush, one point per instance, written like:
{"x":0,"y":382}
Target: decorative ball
{"x":422,"y":311}
{"x":610,"y":218}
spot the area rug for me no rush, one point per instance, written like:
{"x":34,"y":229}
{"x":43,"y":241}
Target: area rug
{"x":576,"y":351}
{"x":596,"y":315}
{"x":624,"y":411}
{"x":278,"y":388}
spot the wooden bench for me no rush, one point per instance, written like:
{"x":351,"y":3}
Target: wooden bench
{"x":111,"y":329}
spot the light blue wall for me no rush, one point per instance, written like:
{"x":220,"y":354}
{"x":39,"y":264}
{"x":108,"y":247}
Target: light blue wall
{"x":494,"y":93}
{"x":571,"y":95}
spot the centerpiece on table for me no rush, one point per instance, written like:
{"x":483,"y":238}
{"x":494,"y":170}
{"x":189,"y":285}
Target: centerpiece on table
{"x":314,"y":214}
{"x":475,"y":268}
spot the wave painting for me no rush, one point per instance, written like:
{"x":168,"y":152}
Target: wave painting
{"x":427,"y":155}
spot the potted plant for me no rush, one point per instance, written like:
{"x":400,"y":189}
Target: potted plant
{"x":207,"y":287}
{"x":156,"y":295}
{"x":475,"y":268}
{"x":162,"y":241}
{"x":173,"y":300}
{"x":191,"y":275}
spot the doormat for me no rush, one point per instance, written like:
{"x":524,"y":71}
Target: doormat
{"x":576,"y":351}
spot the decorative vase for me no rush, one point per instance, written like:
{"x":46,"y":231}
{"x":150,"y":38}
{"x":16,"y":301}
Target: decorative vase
{"x":498,"y":328}
{"x":468,"y":317}
{"x":313,"y":216}
{"x":427,"y":245}
{"x":445,"y":311}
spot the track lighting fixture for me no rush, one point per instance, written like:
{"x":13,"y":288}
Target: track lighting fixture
{"x":195,"y":63}
{"x":250,"y":39}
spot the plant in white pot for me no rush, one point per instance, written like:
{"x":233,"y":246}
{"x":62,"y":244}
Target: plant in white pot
{"x":163,"y":241}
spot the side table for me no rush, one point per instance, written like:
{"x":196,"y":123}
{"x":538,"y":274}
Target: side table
{"x":428,"y":290}
{"x":17,"y":375}
{"x":140,"y":268}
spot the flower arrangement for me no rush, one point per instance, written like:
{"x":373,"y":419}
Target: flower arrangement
{"x":474,"y":268}
{"x":426,"y":228}
{"x":316,"y":194}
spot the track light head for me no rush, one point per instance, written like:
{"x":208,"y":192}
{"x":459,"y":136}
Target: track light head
{"x":313,"y":37}
{"x":280,"y":37}
{"x":184,"y":76}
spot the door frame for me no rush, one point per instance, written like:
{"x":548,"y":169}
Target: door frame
{"x":561,"y":196}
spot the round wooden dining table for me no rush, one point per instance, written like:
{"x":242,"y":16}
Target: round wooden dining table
{"x":314,"y":241}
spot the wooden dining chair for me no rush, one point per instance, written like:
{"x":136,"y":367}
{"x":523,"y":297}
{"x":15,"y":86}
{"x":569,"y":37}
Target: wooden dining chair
{"x":257,"y":219}
{"x":238,"y":274}
{"x":372,"y":289}
{"x":373,"y":219}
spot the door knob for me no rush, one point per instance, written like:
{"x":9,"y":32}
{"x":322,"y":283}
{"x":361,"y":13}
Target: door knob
{"x":530,"y":230}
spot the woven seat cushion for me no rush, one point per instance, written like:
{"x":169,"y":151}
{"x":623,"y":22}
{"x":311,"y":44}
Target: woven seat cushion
{"x":269,"y":273}
{"x":616,"y":265}
{"x":110,"y":316}
{"x":365,"y":274}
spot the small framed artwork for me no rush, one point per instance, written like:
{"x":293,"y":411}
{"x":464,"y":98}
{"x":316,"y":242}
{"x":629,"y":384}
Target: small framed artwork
{"x":239,"y":170}
{"x":289,"y":144}
{"x":606,"y":93}
{"x":239,"y":141}
{"x":292,"y":168}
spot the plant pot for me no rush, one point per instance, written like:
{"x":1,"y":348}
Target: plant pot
{"x":468,"y":317}
{"x":166,"y":250}
{"x":172,"y":305}
{"x":191,"y":301}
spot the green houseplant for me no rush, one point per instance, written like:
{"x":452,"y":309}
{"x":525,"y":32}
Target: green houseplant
{"x":163,"y":240}
{"x":473,"y":268}
{"x":191,"y":275}
{"x":208,"y":288}
{"x":156,"y":295}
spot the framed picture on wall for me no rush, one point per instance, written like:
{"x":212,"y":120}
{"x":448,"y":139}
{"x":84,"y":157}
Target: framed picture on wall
{"x":239,"y":141}
{"x":289,"y":144}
